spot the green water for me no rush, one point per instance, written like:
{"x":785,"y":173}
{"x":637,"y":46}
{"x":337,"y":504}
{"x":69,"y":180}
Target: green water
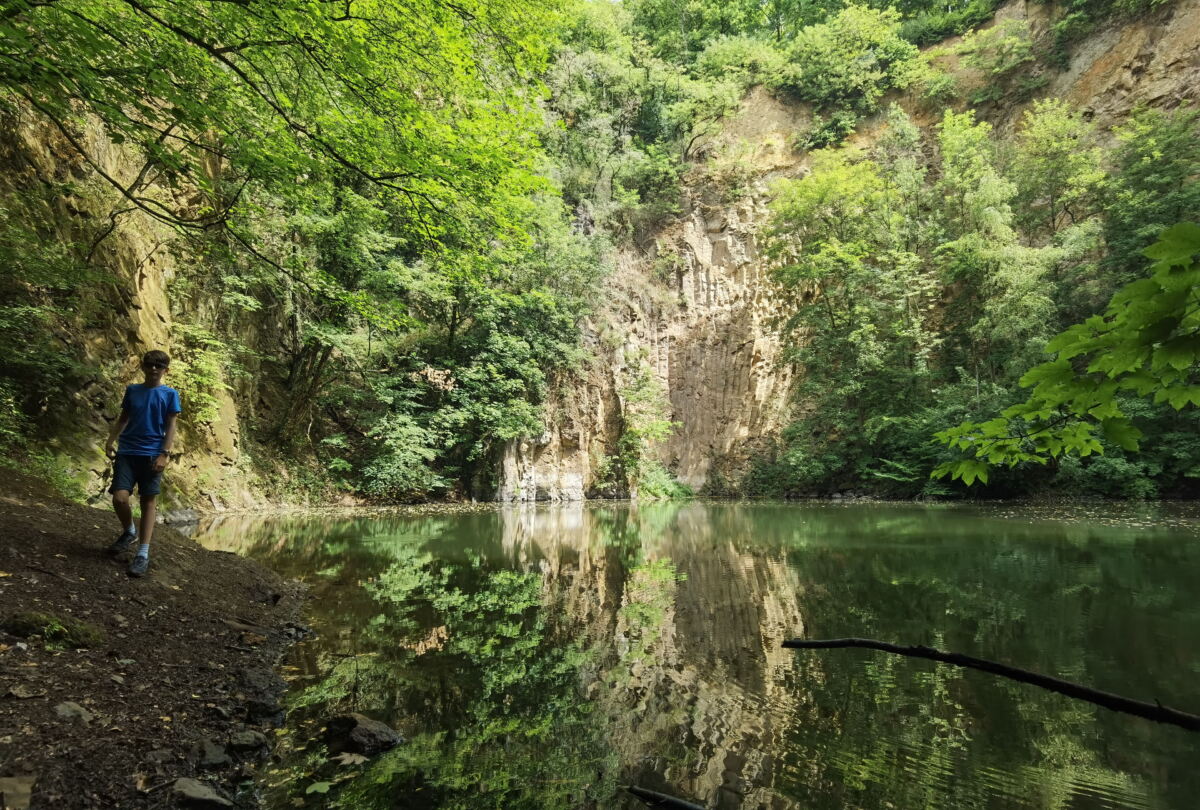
{"x":543,"y":658}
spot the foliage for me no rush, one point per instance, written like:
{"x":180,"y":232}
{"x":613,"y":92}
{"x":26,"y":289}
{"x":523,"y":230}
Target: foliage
{"x":201,"y":365}
{"x":748,"y":60}
{"x":45,"y":286}
{"x":1000,"y":52}
{"x":1154,"y":186}
{"x":1058,"y":168}
{"x":849,"y":61}
{"x":919,"y":291}
{"x":1144,"y":343}
{"x":645,"y":421}
{"x":934,"y":24}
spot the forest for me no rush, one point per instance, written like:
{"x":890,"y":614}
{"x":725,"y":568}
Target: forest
{"x":394,"y":228}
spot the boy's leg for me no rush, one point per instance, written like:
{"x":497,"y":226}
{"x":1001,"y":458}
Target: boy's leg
{"x":122,"y":508}
{"x":122,"y":486}
{"x":148,"y":486}
{"x":149,"y":510}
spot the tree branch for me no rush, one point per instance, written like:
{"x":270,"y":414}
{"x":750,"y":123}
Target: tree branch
{"x":1117,"y":703}
{"x":662,"y":801}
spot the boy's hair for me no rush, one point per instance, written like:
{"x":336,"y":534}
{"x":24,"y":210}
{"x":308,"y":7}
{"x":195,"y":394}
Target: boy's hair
{"x":156,"y":356}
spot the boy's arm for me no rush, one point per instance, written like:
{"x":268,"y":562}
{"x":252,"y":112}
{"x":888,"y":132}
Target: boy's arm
{"x":160,"y":463}
{"x":115,"y":431}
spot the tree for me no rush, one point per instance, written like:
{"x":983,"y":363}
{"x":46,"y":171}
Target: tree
{"x":1147,"y":342}
{"x":1057,"y":167}
{"x":1154,"y":185}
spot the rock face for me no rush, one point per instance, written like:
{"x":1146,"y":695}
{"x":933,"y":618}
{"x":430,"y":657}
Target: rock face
{"x":694,"y":301}
{"x":695,"y":306}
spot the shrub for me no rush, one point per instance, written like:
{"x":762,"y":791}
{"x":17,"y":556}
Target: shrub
{"x":828,"y":130}
{"x":745,"y":59}
{"x":850,"y":61}
{"x":931,"y":27}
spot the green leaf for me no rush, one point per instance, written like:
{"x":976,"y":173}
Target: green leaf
{"x":1176,"y":246}
{"x":1121,"y":433}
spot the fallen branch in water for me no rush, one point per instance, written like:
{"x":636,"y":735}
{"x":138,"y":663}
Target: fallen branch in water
{"x":662,"y":800}
{"x":1150,"y":711}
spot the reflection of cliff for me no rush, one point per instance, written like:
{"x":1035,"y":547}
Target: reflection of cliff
{"x":691,"y":678}
{"x":574,"y":649}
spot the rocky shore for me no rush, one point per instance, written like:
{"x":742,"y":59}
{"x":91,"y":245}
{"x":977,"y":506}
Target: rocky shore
{"x":131,"y":693}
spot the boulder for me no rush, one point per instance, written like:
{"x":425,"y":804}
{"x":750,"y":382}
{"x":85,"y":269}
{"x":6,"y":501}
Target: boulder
{"x":196,"y":795}
{"x":360,"y":734}
{"x":210,"y":754}
{"x":248,"y":741}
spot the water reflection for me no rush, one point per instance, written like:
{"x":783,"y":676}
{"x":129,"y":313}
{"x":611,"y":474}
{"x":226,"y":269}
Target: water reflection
{"x":542,"y":658}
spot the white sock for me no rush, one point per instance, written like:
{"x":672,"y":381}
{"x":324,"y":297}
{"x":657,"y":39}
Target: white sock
{"x":132,"y":528}
{"x":143,"y":550}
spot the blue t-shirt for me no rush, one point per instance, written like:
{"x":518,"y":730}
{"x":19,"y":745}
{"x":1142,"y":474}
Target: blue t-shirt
{"x":148,"y":409}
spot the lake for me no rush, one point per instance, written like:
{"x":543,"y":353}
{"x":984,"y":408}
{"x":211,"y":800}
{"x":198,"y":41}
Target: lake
{"x":545,"y":657}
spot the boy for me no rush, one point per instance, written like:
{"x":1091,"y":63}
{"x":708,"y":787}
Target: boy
{"x":147,"y":431}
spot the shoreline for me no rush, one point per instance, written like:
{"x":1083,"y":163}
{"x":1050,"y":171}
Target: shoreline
{"x":119,"y":692}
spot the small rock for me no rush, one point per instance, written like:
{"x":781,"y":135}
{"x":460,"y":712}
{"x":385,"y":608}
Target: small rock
{"x":261,"y":689}
{"x":24,"y":691}
{"x":17,"y":791}
{"x":266,"y":710}
{"x":192,"y":793}
{"x":159,"y":756}
{"x":211,"y":754}
{"x":360,"y":734}
{"x":69,"y":710}
{"x":248,"y":740}
{"x":117,"y":679}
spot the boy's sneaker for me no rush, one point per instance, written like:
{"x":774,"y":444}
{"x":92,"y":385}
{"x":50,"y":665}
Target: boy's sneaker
{"x":122,"y":543}
{"x":139,"y":566}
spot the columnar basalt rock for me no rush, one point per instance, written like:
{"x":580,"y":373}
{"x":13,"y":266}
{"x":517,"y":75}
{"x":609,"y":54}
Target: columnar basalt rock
{"x":694,"y":299}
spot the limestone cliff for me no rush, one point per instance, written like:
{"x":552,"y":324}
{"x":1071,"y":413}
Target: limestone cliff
{"x":142,"y":257}
{"x":694,"y":300}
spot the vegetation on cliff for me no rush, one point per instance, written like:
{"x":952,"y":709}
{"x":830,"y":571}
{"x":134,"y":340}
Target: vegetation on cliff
{"x":391,"y":222}
{"x":924,"y":287}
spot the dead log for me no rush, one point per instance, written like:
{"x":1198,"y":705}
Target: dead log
{"x":1150,"y":711}
{"x":661,"y":800}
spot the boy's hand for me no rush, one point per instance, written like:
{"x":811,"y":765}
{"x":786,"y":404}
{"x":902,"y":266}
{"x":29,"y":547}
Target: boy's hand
{"x":160,"y":463}
{"x":110,"y":450}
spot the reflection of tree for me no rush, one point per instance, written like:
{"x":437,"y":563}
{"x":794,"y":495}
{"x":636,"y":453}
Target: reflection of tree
{"x":472,"y":667}
{"x":538,"y":657}
{"x":1009,"y":599}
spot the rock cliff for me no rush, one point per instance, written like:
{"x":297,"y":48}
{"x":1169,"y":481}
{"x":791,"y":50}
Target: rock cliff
{"x":694,"y":301}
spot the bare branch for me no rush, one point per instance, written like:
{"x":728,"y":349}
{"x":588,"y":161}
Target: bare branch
{"x":1150,"y":711}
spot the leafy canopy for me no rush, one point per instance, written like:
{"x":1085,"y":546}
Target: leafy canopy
{"x":1147,"y":342}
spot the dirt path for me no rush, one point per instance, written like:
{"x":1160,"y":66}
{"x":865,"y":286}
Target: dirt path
{"x":122,"y":686}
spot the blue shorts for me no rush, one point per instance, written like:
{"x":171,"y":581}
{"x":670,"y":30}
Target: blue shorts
{"x":130,"y":470}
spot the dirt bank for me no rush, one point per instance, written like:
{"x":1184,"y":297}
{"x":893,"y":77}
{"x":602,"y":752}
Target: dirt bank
{"x":113,"y":688}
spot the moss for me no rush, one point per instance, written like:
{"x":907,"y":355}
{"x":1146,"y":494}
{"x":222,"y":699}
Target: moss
{"x":63,"y":632}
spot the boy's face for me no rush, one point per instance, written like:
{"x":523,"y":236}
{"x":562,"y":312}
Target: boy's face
{"x":154,"y":371}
